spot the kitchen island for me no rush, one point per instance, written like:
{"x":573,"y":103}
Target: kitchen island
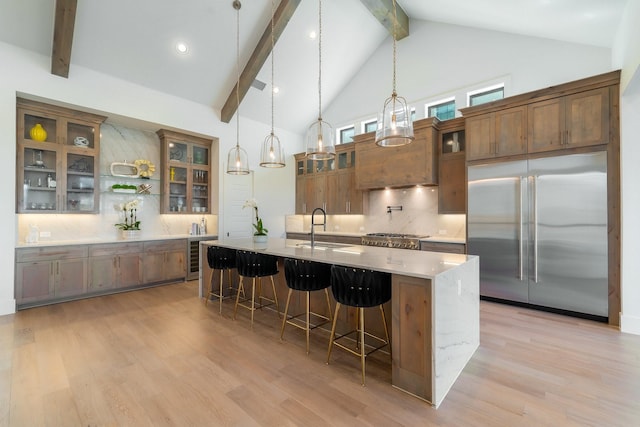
{"x":435,"y":323}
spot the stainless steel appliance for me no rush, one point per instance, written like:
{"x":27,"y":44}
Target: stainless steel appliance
{"x":393,"y":240}
{"x":540,"y":229}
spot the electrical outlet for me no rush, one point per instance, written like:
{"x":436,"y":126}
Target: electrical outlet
{"x":442,"y":232}
{"x":45,"y":234}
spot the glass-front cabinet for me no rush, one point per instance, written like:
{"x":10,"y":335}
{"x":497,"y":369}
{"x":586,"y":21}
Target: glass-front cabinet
{"x":57,"y":159}
{"x":186,"y":177}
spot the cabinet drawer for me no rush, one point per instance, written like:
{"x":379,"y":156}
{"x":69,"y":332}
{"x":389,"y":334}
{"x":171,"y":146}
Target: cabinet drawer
{"x":453,"y":248}
{"x":112,"y":249}
{"x":51,"y":253}
{"x":166,"y":245}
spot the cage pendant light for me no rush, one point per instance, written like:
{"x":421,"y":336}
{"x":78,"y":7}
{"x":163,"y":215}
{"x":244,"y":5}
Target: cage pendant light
{"x":320,"y":145}
{"x":272,"y":155}
{"x":237,"y":160}
{"x":394,"y":122}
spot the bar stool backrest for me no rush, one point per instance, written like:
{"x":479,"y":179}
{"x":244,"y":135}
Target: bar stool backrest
{"x":357,"y":287}
{"x":253,"y":264}
{"x":305,"y":275}
{"x":220,"y":258}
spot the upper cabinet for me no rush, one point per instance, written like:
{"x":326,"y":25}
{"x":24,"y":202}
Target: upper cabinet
{"x":568,"y":116}
{"x":496,"y":134}
{"x":57,"y":159}
{"x":581,"y":119}
{"x":412,"y":164}
{"x":452,"y":187}
{"x":329,"y":184}
{"x":186,"y":173}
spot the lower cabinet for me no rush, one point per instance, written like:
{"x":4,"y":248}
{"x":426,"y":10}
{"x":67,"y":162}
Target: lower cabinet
{"x":115,"y":265}
{"x":50,"y":273}
{"x":164,"y":260}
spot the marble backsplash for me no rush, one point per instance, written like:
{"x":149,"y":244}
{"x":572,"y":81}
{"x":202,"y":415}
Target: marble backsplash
{"x":419,"y":215}
{"x":117,"y":144}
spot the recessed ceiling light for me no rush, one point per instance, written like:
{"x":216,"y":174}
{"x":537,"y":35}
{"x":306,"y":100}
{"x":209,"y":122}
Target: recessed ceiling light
{"x":182,"y":48}
{"x":312,"y":35}
{"x":276,"y":89}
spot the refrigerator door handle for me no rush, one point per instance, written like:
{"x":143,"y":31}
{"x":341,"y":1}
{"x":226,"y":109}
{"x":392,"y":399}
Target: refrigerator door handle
{"x":535,"y":227}
{"x":521,"y":230}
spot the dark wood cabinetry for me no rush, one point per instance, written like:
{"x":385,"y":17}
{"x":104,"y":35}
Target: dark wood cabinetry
{"x":496,"y":134}
{"x":329,"y":184}
{"x":403,"y":166}
{"x":452,"y":181}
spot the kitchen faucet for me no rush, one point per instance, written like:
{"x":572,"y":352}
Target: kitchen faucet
{"x":313,"y":223}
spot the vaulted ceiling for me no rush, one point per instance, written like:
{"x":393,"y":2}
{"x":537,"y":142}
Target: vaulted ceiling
{"x":135,"y":41}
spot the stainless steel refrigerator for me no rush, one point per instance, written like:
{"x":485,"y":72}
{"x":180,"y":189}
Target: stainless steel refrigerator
{"x":540,"y":229}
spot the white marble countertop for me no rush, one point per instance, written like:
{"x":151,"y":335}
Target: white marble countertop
{"x":422,"y":264}
{"x":435,"y":239}
{"x":445,"y":239}
{"x":45,"y":243}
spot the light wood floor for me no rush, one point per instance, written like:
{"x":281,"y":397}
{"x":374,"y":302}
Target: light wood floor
{"x":160,"y":357}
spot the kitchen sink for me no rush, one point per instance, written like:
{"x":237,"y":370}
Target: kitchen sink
{"x":321,"y":245}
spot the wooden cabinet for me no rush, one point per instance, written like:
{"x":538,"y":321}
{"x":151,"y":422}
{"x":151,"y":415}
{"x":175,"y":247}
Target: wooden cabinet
{"x":453,"y":248}
{"x":497,"y":134}
{"x":412,"y":164}
{"x":115,"y":265}
{"x":165,"y":261}
{"x":45,"y":274}
{"x":186,"y":173}
{"x":329,"y":184}
{"x":577,"y":120}
{"x":452,"y":180}
{"x":57,"y":159}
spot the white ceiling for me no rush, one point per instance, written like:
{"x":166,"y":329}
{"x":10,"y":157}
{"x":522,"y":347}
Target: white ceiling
{"x":135,"y":41}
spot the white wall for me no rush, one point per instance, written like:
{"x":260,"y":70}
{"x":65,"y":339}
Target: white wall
{"x":438,"y":60}
{"x":626,"y":55}
{"x":24,"y":72}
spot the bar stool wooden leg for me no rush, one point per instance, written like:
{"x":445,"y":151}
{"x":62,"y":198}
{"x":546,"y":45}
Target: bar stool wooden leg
{"x":240,"y":286}
{"x":326,"y":292}
{"x":362,"y":346}
{"x":206,"y":299}
{"x":220,"y":294}
{"x":275,"y":295}
{"x":386,"y":330}
{"x":253,"y":298}
{"x":307,"y":319}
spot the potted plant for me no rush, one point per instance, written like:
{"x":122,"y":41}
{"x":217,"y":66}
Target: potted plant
{"x":260,"y":232}
{"x":130,"y":227}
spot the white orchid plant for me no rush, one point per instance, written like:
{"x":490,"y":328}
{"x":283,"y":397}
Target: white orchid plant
{"x":130,"y":210}
{"x":258,"y":227}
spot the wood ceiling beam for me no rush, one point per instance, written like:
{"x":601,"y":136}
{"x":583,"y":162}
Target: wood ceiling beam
{"x":63,"y":37}
{"x":281,"y":18}
{"x":383,"y":11}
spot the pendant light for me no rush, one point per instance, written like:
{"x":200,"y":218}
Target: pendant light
{"x":237,"y":160}
{"x":394,"y":122}
{"x":320,"y":145}
{"x":272,"y":155}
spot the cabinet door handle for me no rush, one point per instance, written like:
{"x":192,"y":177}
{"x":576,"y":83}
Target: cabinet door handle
{"x":568,"y":137}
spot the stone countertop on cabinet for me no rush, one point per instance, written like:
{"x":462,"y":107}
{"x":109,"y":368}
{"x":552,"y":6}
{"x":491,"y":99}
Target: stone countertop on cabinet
{"x":435,"y":239}
{"x":47,"y":243}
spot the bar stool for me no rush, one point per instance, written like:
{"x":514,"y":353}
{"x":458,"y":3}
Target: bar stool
{"x":256,"y":266}
{"x":360,"y":288}
{"x":306,"y":276}
{"x":222,"y":259}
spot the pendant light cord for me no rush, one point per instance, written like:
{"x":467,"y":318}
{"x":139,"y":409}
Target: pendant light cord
{"x":320,"y":60}
{"x":272,"y":60}
{"x":237,"y":5}
{"x":395,"y":20}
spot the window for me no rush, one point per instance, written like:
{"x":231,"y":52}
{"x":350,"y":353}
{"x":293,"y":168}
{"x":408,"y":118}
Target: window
{"x":485,"y":95}
{"x":443,"y":110}
{"x":370,"y":126}
{"x":346,"y":134}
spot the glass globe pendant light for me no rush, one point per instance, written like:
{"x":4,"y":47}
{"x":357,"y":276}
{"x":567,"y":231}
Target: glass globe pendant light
{"x":237,"y":159}
{"x":394,"y":122}
{"x":320,"y":145}
{"x":272,"y":155}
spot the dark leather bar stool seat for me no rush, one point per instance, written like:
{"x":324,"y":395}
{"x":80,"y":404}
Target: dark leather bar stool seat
{"x":306,"y":276}
{"x":360,"y":288}
{"x":255,"y":266}
{"x":222,"y":259}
